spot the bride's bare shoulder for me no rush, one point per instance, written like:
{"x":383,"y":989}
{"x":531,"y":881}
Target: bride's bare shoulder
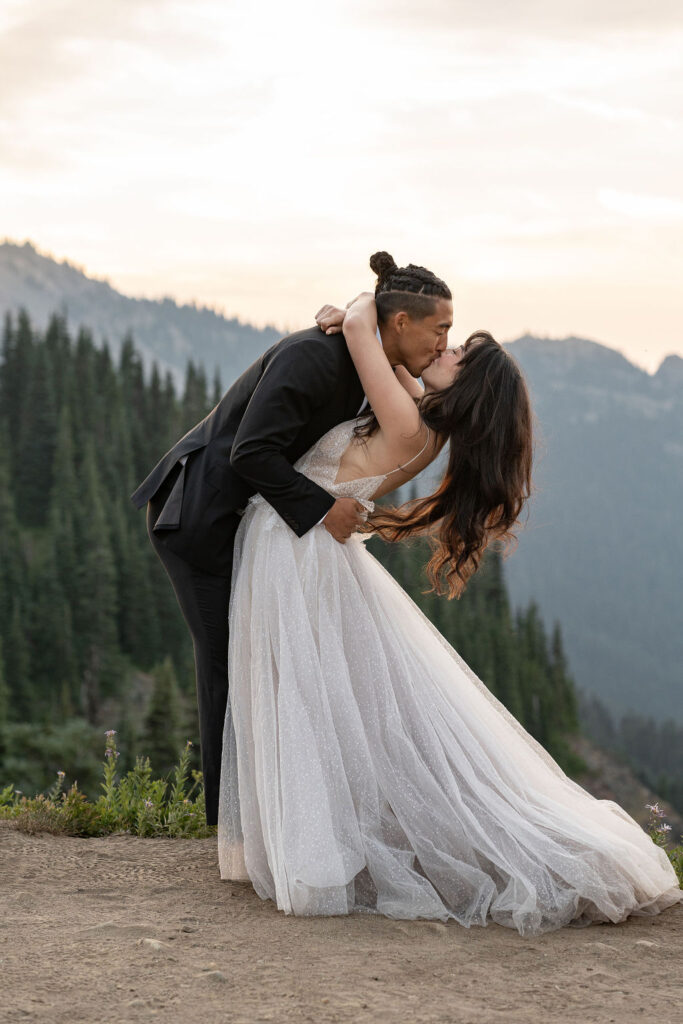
{"x":408,"y":448}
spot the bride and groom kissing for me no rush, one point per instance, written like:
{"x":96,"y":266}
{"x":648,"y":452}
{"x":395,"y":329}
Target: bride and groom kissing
{"x":352,"y":761}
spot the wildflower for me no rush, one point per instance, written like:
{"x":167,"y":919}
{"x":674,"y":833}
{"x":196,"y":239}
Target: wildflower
{"x":109,"y":752}
{"x":148,"y":803}
{"x":189,"y":743}
{"x":110,"y":732}
{"x":61,"y":774}
{"x":664,"y":828}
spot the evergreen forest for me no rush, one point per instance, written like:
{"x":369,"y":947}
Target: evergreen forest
{"x":91,"y":637}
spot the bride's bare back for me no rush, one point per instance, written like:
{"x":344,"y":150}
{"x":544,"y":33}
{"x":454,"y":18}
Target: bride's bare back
{"x":379,"y":456}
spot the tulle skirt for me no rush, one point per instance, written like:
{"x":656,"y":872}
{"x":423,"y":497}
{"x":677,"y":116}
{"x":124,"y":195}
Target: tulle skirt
{"x":366,"y":768}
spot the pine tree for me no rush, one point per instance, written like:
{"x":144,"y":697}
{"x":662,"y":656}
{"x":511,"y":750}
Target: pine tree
{"x":53,"y":658}
{"x":135,"y":400}
{"x":533,"y":674}
{"x":58,"y":345}
{"x":95,"y":614}
{"x":17,"y":668}
{"x":84,"y":409}
{"x":4,"y":696}
{"x":562,"y":686}
{"x":64,"y":509}
{"x":195,"y":398}
{"x":161,"y":736}
{"x":217,"y":387}
{"x":35,"y":444}
{"x":15,"y":376}
{"x":157,"y":416}
{"x":138,"y":626}
{"x":172,"y":409}
{"x":115,"y":448}
{"x":8,"y":377}
{"x":12,"y":560}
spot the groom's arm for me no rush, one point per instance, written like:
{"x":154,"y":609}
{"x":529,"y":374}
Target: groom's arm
{"x":299,"y":379}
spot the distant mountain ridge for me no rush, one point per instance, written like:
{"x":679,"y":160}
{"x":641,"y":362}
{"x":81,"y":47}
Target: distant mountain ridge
{"x":163,"y":330}
{"x":602,"y":550}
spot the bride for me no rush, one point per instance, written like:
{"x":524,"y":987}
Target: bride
{"x":365,"y":767}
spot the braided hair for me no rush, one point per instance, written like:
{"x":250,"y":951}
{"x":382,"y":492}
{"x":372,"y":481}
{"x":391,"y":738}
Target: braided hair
{"x":410,"y":289}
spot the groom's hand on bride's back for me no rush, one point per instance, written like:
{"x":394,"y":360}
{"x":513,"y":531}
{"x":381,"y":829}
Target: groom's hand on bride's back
{"x":344,"y":518}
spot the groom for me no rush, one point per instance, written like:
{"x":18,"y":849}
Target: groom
{"x":300,"y":388}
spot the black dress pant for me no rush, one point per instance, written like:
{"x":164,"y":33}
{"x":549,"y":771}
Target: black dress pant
{"x":204,"y":600}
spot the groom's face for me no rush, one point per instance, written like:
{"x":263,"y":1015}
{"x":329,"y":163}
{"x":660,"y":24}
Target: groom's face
{"x":422,"y":341}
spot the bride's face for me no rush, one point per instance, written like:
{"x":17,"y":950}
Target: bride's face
{"x":443,"y":370}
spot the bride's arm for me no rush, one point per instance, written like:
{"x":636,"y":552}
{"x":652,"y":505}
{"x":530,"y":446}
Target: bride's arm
{"x":406,"y":380}
{"x":330,"y":319}
{"x":391,"y":403}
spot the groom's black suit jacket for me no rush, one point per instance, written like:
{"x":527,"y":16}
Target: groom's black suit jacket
{"x":281,"y":405}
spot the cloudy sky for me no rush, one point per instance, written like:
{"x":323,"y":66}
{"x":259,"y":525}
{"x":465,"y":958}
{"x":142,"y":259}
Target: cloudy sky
{"x":252,"y":157}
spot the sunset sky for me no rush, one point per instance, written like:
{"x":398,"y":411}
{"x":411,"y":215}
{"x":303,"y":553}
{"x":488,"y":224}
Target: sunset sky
{"x":253,"y":157}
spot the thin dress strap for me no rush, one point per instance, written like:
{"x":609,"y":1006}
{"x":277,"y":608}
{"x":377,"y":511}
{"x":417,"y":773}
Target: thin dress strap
{"x":414,"y":456}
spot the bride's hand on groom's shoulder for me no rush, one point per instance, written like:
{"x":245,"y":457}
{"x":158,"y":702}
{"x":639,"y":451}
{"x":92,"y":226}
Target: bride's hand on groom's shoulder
{"x":330,"y":319}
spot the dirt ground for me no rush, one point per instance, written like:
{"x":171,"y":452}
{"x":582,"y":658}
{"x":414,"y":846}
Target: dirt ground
{"x":126,"y":929}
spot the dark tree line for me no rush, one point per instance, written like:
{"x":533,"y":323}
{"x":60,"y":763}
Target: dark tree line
{"x":85,"y":606}
{"x":90,"y":634}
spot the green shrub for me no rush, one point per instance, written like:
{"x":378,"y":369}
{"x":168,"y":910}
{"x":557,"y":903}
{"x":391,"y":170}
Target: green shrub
{"x":136,"y":803}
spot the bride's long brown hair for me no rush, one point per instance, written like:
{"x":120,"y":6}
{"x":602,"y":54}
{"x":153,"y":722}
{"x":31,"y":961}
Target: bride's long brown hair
{"x":486,"y":416}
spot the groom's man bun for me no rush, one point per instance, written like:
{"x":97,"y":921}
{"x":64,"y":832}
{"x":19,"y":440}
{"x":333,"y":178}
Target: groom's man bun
{"x":412,"y":289}
{"x":382,"y":264}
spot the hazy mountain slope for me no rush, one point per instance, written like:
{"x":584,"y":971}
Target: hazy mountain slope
{"x":603,"y":550}
{"x":162,"y":329}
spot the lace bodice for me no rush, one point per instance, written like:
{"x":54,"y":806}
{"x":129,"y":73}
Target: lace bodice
{"x":321,"y":464}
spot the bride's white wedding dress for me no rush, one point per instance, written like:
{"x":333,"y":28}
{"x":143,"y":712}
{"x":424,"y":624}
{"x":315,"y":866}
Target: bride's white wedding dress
{"x":367,"y":768}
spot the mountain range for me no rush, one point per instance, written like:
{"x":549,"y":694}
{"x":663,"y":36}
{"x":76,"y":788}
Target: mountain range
{"x":601,"y":549}
{"x":163,"y":330}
